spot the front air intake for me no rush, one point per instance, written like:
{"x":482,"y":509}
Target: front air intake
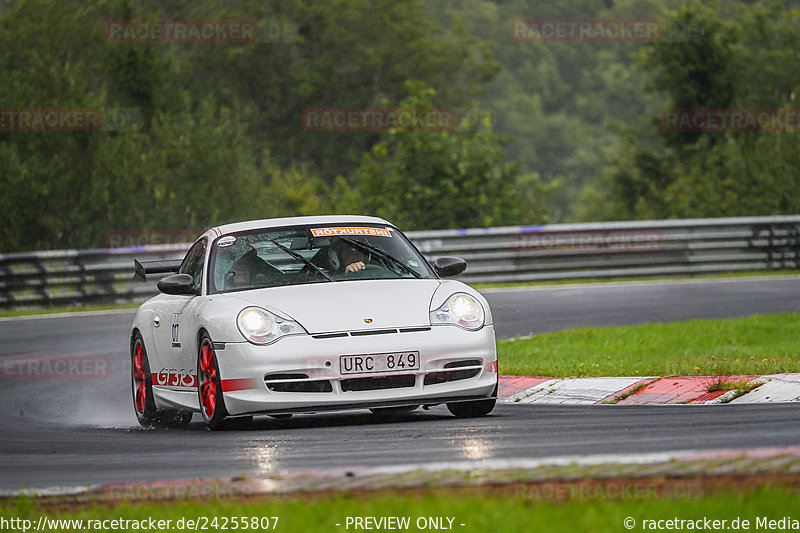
{"x":296,"y":383}
{"x":468,"y":368}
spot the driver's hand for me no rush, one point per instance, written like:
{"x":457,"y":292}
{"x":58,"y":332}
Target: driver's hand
{"x":355,"y":267}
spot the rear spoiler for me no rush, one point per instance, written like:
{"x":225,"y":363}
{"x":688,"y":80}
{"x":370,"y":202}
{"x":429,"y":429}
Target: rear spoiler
{"x":142,"y":269}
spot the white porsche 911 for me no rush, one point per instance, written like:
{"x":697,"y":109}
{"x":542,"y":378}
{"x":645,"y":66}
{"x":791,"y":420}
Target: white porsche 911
{"x":308,"y":314}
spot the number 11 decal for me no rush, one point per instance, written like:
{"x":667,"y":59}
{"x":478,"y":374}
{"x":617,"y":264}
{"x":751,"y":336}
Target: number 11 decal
{"x":176,"y":324}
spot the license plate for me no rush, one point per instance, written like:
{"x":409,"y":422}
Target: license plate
{"x":379,"y":362}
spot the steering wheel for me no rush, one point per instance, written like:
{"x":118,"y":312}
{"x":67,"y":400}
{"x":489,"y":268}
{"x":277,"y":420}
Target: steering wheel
{"x":369,"y":271}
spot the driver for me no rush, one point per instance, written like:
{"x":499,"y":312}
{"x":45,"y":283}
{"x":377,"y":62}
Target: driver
{"x":351,"y":258}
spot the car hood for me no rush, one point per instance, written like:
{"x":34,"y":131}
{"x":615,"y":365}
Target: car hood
{"x":348,"y":305}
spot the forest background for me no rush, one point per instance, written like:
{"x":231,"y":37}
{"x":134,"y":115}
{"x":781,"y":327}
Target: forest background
{"x":545,"y":130}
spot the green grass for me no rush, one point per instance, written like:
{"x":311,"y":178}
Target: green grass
{"x":739,"y":385}
{"x":764,"y":344}
{"x":67,"y":309}
{"x":623,"y":279}
{"x":515,"y":512}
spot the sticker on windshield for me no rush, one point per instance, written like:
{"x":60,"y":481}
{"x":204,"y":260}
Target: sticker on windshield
{"x":226,"y":241}
{"x":333,"y":232}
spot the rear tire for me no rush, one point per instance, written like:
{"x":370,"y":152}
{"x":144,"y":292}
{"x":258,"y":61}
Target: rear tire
{"x":144,"y":403}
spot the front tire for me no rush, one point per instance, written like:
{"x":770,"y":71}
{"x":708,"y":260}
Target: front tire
{"x":144,"y":403}
{"x":473,"y":409}
{"x":209,"y":386}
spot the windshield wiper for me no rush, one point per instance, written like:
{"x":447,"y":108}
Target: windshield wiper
{"x":382,"y":254}
{"x":300,"y":258}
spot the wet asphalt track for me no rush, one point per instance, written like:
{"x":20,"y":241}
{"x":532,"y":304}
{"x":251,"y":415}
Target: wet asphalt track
{"x":68,"y":432}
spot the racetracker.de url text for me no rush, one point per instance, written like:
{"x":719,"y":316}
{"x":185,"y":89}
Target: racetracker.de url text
{"x":756,"y":523}
{"x":46,"y":524}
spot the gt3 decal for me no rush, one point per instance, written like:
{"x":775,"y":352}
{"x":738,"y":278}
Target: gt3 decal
{"x":332,"y":232}
{"x":180,"y":378}
{"x":176,"y":377}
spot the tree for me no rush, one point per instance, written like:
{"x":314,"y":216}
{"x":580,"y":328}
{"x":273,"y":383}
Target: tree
{"x":423,"y":179}
{"x":714,"y":57}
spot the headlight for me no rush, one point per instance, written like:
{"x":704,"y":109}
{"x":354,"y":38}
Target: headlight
{"x":462,"y":310}
{"x":262,"y":327}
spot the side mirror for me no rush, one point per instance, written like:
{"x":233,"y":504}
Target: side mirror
{"x":449,"y":266}
{"x":177,"y":284}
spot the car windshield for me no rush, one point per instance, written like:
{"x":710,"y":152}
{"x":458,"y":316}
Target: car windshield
{"x":314,"y":253}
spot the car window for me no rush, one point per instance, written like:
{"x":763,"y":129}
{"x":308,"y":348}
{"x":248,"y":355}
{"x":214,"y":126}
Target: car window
{"x":314,"y":253}
{"x":193,"y":262}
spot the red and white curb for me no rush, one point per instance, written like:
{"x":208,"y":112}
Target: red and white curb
{"x":692,"y":390}
{"x":777,"y":388}
{"x":582,"y":391}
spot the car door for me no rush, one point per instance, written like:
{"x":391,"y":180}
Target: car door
{"x":173,"y":335}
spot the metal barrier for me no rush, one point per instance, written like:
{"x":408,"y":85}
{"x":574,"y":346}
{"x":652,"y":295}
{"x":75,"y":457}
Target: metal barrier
{"x":510,"y":254}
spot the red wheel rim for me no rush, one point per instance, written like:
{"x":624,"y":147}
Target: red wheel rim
{"x":139,"y":377}
{"x":208,"y":383}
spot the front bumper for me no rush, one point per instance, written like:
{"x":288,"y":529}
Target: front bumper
{"x":455,"y":365}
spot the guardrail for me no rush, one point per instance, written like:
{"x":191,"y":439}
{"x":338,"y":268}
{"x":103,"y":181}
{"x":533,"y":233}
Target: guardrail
{"x":510,"y":254}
